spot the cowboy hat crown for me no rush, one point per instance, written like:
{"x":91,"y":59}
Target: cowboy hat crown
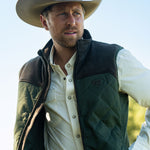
{"x":30,"y":10}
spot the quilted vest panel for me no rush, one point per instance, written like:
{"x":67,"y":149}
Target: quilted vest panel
{"x":103,"y":113}
{"x":103,"y":110}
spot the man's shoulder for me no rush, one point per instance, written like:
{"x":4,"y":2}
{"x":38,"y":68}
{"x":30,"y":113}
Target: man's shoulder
{"x":31,"y":71}
{"x":104,"y":45}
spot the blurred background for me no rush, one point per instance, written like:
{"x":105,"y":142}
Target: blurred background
{"x":126,"y":23}
{"x":136,"y":118}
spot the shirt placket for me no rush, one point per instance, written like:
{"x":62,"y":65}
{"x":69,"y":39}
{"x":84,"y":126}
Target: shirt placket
{"x":71,"y":105}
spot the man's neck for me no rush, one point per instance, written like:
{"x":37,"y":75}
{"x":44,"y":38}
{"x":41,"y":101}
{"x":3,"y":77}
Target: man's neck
{"x":62,"y":56}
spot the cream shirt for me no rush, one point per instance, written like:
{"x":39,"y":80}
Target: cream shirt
{"x":62,"y":129}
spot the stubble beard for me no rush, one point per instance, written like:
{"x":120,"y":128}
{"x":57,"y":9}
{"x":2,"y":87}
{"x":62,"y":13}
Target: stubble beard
{"x":69,"y":42}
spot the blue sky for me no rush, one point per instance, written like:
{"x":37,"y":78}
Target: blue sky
{"x":126,"y":23}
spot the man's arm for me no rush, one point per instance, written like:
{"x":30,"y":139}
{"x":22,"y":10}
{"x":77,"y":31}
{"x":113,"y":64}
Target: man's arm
{"x":134,"y":79}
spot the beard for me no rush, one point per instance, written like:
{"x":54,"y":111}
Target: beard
{"x":66,"y":41}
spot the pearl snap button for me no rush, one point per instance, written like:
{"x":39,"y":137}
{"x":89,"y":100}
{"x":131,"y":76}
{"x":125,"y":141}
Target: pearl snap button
{"x":70,"y":80}
{"x":74,"y":116}
{"x":69,"y":97}
{"x":68,"y":65}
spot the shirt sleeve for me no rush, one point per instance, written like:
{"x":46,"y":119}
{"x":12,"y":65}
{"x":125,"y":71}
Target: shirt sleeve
{"x":134,"y":79}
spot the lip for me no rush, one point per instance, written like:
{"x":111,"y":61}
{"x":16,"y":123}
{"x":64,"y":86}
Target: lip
{"x":70,"y":32}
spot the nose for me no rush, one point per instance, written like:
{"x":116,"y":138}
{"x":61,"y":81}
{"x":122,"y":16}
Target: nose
{"x":71,"y":20}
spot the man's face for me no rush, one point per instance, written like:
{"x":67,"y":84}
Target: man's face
{"x":65,"y":22}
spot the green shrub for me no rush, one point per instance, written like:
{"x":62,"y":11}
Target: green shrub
{"x":135,"y":120}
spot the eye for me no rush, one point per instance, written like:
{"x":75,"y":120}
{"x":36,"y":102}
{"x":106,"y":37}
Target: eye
{"x":77,"y":13}
{"x":63,"y":14}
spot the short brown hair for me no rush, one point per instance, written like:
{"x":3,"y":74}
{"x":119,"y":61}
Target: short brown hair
{"x":46,"y":10}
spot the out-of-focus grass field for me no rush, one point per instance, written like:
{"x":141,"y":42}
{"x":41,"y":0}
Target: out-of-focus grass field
{"x":135,"y":120}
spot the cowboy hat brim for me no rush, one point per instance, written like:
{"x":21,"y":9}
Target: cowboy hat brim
{"x":30,"y":10}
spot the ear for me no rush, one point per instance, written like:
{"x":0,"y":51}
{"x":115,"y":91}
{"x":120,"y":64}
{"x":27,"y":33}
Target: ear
{"x":44,"y":22}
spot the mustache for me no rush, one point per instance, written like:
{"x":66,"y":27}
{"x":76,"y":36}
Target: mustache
{"x":70,"y":28}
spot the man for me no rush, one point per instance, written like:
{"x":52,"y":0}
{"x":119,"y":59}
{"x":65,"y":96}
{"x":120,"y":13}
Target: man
{"x":73,"y":96}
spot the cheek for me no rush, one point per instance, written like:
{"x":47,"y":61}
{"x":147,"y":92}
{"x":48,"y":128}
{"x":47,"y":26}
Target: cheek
{"x":56,"y":26}
{"x":52,"y":27}
{"x":80,"y":22}
{"x":81,"y":27}
{"x":54,"y":30}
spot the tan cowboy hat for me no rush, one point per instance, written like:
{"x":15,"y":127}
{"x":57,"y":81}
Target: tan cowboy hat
{"x":30,"y":10}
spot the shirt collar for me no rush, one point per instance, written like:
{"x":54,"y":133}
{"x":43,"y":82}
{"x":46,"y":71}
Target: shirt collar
{"x":68,"y":66}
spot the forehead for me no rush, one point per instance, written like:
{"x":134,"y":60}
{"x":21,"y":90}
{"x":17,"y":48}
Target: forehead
{"x":66,"y":5}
